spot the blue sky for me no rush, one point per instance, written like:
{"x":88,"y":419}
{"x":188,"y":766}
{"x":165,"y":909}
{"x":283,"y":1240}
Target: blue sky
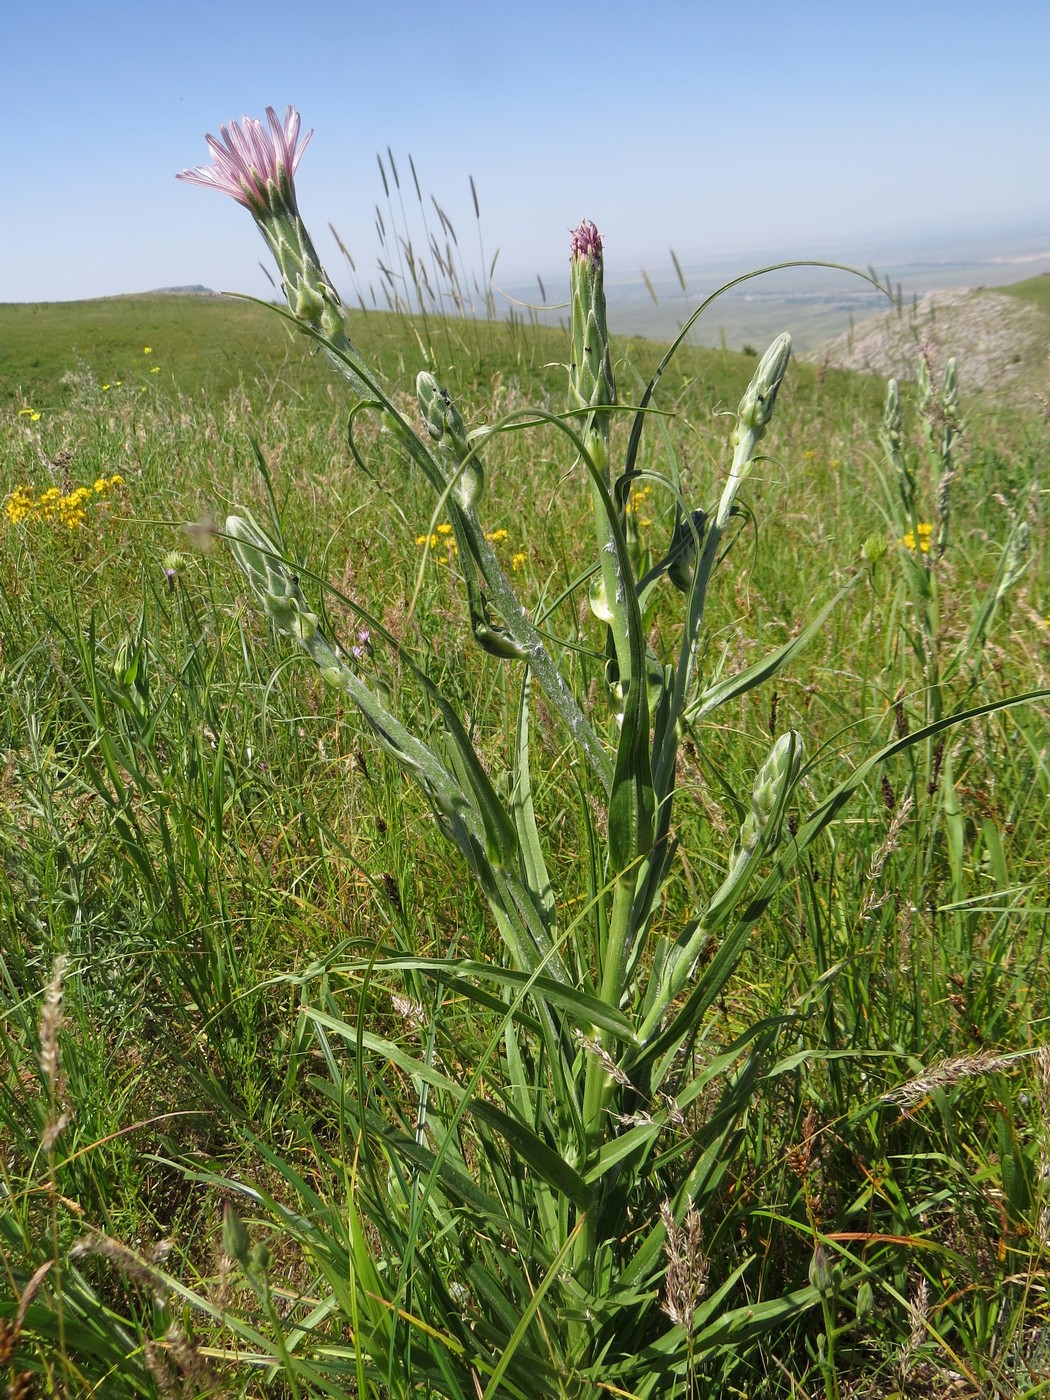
{"x":714,"y":128}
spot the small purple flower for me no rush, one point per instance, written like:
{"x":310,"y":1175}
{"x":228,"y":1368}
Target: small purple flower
{"x":251,"y":163}
{"x":362,"y":646}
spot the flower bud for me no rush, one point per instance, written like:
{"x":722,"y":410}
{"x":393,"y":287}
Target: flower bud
{"x":891,"y":415}
{"x":235,"y":1240}
{"x":259,"y":1258}
{"x":125,"y":663}
{"x":756,"y":407}
{"x":823,"y":1275}
{"x":1017,"y":559}
{"x":754,"y":412}
{"x":774,"y":778}
{"x":950,"y":392}
{"x":590,"y":373}
{"x":685,"y":541}
{"x":444,"y":423}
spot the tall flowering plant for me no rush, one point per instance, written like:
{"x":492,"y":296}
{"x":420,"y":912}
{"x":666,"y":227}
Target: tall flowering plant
{"x":512,"y":1234}
{"x":255,"y":167}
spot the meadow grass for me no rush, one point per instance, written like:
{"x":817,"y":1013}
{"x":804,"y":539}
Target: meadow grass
{"x":198,"y":344}
{"x":218,"y":890}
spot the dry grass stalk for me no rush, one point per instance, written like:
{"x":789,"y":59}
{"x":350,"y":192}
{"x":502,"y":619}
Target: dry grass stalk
{"x":919,"y":1310}
{"x":688,"y":1267}
{"x":51,"y":1024}
{"x":949,"y":1072}
{"x":878,"y":894}
{"x":130,"y":1264}
{"x":48,"y":1031}
{"x":174,"y":1362}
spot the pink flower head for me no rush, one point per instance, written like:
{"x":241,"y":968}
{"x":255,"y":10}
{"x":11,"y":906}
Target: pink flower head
{"x":586,"y":241}
{"x":251,"y":162}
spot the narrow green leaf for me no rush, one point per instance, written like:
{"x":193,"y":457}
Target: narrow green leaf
{"x":533,"y":863}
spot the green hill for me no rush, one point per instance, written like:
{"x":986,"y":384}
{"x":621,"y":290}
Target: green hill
{"x":1033,"y":289}
{"x":189,"y":345}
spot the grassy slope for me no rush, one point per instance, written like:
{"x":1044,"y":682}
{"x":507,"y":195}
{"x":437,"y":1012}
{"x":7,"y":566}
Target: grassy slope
{"x":212,"y":344}
{"x":1033,"y":289}
{"x":205,"y":344}
{"x":902,"y":983}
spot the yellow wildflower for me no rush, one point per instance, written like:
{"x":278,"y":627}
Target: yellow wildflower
{"x":919,"y":539}
{"x":636,"y":503}
{"x":147,"y":349}
{"x":518,"y":561}
{"x":19,"y":505}
{"x":54,"y":507}
{"x":497,"y":536}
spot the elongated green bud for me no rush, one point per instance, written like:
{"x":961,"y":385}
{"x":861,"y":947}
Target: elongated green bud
{"x":444,"y":423}
{"x":235,"y":1238}
{"x":1017,"y":559}
{"x":892,"y":437}
{"x":590,"y":372}
{"x":924,"y":380}
{"x":443,"y":419}
{"x":758,"y":833}
{"x":756,"y":407}
{"x":775,"y":778}
{"x":892,"y":420}
{"x":950,"y":392}
{"x":591,"y":387}
{"x":949,"y":426}
{"x":276,"y":587}
{"x":126,"y":662}
{"x":753,"y":414}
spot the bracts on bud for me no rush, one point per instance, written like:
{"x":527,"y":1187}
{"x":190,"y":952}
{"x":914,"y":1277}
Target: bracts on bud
{"x":590,"y":373}
{"x":893,"y":439}
{"x":775,"y":779}
{"x":444,"y":424}
{"x":591,"y":389}
{"x":760,"y":833}
{"x":761,"y":827}
{"x":753,"y":415}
